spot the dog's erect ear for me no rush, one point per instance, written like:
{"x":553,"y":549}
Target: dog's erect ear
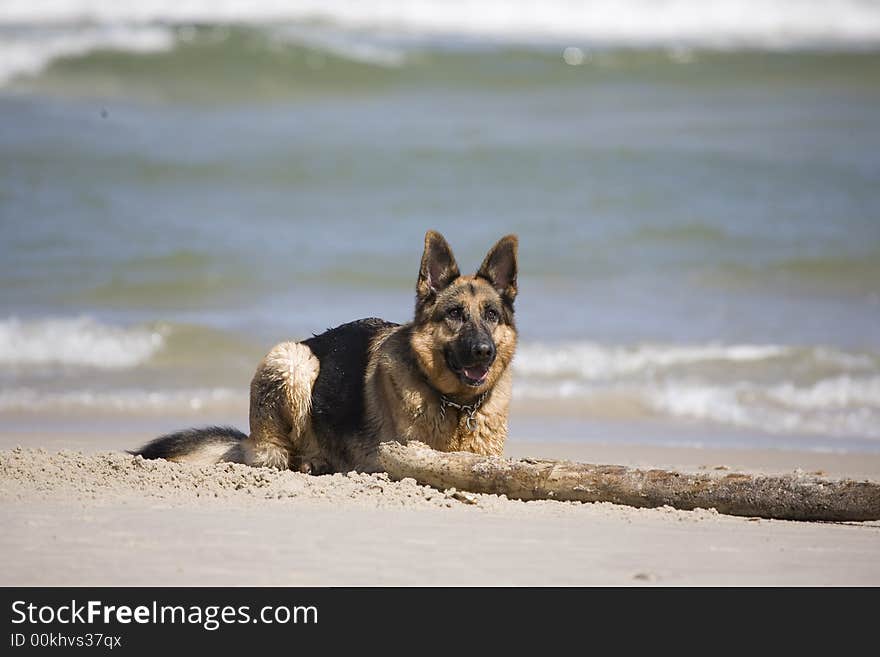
{"x":438,"y":266}
{"x":499,"y":267}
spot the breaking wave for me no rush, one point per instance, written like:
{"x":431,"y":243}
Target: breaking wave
{"x":771,"y":388}
{"x":30,"y":400}
{"x":771,"y":23}
{"x":29,"y":51}
{"x":80,"y":341}
{"x":385,"y":33}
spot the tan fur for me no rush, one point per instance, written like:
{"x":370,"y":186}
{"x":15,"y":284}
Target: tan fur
{"x":207,"y":453}
{"x":281,"y":393}
{"x":402,"y":406}
{"x":429,"y":341}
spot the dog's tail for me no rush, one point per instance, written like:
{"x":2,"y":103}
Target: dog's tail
{"x":197,"y":446}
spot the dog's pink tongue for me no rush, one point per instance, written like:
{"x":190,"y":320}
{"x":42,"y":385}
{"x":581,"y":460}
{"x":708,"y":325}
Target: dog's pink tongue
{"x":477,"y":373}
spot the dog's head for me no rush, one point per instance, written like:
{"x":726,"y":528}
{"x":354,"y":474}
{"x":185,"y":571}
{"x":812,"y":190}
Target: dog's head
{"x":464,"y":335}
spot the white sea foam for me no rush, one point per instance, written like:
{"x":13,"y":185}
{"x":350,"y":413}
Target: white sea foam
{"x":842,"y":406}
{"x":719,"y":22}
{"x":29,"y":51}
{"x":79,"y":341}
{"x":593,"y":361}
{"x":30,"y":400}
{"x":838,"y":393}
{"x":380,"y":31}
{"x":838,"y":407}
{"x":354,"y":46}
{"x":750,"y":386}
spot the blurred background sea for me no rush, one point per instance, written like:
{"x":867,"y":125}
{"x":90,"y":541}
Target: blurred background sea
{"x":695,"y":184}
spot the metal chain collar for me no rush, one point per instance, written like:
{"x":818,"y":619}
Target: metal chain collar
{"x":469,"y":409}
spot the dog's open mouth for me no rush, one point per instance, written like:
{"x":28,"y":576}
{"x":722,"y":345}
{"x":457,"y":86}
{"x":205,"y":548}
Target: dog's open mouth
{"x":472,"y":375}
{"x":475,"y":375}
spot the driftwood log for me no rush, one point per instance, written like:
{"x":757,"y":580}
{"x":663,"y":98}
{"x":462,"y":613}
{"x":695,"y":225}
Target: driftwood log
{"x":794,"y":496}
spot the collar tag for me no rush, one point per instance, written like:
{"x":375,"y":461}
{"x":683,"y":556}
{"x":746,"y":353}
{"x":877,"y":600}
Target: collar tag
{"x":469,"y":409}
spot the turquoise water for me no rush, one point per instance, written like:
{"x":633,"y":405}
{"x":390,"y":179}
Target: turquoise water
{"x":699,"y":226}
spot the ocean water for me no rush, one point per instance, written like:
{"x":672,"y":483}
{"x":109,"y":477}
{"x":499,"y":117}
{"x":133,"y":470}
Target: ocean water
{"x":696,"y":187}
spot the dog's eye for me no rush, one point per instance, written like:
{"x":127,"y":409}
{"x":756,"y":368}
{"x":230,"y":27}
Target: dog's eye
{"x":455,"y":314}
{"x":491,"y":315}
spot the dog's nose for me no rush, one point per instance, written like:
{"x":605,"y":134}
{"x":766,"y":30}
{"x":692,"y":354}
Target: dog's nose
{"x":483,"y":351}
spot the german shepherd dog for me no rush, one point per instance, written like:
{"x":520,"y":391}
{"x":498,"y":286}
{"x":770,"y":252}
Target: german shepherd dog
{"x":324,"y":404}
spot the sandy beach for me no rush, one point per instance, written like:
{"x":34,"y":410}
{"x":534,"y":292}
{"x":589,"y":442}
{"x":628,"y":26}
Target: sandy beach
{"x":99,"y":517}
